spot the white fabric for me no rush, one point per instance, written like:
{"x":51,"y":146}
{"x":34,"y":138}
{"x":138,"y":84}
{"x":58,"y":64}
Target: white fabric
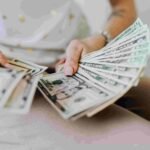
{"x":43,"y":26}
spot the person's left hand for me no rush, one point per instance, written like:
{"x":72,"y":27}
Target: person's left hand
{"x":3,"y":60}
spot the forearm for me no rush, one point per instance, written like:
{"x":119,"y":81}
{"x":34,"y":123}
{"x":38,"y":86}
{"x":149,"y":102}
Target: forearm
{"x":123,"y":14}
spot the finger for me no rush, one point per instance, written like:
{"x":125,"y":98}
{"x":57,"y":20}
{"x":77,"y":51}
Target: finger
{"x":59,"y":65}
{"x":3,"y":60}
{"x":59,"y":68}
{"x":62,"y":61}
{"x":73,"y":55}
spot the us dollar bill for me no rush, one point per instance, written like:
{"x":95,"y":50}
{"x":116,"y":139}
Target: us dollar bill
{"x":116,"y":77}
{"x":26,"y":66}
{"x":134,"y":61}
{"x":138,"y":40}
{"x":130,"y":31}
{"x":20,"y":100}
{"x":139,"y":49}
{"x":113,"y":68}
{"x":102,"y":81}
{"x":70,"y":95}
{"x":8,"y":82}
{"x":106,"y":74}
{"x":138,"y":24}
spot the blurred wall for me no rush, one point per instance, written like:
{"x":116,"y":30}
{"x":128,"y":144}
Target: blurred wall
{"x":143,"y":7}
{"x":97,"y":11}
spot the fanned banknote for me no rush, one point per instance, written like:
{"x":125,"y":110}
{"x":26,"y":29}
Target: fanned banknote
{"x":18,"y":85}
{"x":8,"y":81}
{"x":103,"y":76}
{"x":26,"y":66}
{"x":71,"y":95}
{"x":20,"y":100}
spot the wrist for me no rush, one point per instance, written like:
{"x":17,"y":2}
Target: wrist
{"x":95,"y":42}
{"x":107,"y":36}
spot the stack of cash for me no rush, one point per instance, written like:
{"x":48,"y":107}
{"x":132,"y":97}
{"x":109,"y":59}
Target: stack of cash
{"x":18,"y":86}
{"x":103,"y":76}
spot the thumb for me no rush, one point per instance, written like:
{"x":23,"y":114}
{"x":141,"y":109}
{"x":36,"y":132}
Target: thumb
{"x":3,"y":60}
{"x":73,"y":54}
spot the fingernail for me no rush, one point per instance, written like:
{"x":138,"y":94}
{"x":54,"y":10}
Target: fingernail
{"x":68,"y":71}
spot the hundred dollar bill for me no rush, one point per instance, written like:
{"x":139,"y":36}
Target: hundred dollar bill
{"x":138,"y":24}
{"x":137,"y":58}
{"x":70,"y":95}
{"x":140,"y":60}
{"x":93,"y":110}
{"x":93,"y":83}
{"x":116,"y":77}
{"x":19,"y":102}
{"x":129,"y":54}
{"x":132,"y":29}
{"x":140,"y":31}
{"x":8,"y":81}
{"x":116,"y":69}
{"x":103,"y":81}
{"x":26,"y":66}
{"x":139,"y":46}
{"x":142,"y":48}
{"x":134,"y":41}
{"x":109,"y":48}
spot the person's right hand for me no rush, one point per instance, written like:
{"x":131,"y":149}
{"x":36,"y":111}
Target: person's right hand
{"x":77,"y":49}
{"x":3,"y":60}
{"x":69,"y":61}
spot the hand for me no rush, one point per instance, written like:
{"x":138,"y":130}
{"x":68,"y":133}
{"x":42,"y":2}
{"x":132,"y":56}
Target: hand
{"x":3,"y":60}
{"x":77,"y":49}
{"x":59,"y":66}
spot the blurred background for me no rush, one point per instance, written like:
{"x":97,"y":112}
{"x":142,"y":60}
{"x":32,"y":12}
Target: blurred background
{"x":98,"y":10}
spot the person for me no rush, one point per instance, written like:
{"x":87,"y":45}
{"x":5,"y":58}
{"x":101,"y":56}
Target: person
{"x":3,"y":60}
{"x":123,"y":14}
